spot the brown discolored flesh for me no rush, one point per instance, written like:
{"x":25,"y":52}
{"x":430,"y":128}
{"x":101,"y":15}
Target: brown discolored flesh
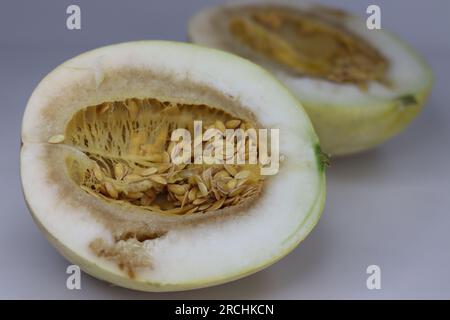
{"x":129,"y":145}
{"x":129,"y":254}
{"x":308,"y":43}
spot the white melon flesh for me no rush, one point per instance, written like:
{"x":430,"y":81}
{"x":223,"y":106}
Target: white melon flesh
{"x":196,"y":250}
{"x":346,"y":117}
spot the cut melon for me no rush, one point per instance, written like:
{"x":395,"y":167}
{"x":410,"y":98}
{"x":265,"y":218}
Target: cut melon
{"x":100,"y":182}
{"x":359,"y":87}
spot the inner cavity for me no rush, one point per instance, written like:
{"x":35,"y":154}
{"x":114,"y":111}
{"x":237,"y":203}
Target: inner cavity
{"x":128,"y":144}
{"x":308,"y":43}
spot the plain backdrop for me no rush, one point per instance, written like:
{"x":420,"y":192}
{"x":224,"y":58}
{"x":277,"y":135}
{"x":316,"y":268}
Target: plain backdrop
{"x":389,"y":206}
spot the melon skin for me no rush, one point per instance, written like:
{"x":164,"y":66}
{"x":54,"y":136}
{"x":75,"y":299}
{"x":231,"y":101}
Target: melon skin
{"x":343,"y":127}
{"x":312,"y":162}
{"x":349,"y":130}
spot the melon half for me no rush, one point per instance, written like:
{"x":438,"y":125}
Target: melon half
{"x":359,"y":86}
{"x":98,"y":177}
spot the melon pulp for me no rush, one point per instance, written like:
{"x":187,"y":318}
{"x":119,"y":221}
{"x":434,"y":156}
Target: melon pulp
{"x":99,"y":181}
{"x":359,"y":87}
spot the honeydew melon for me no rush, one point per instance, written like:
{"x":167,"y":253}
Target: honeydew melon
{"x":98,"y":184}
{"x":360,"y":87}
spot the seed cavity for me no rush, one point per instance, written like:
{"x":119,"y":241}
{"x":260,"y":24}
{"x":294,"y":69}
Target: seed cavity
{"x":128,"y":144}
{"x":311,"y":43}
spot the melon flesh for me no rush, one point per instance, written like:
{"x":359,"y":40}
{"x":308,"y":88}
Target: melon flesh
{"x":352,"y":108}
{"x":134,"y":247}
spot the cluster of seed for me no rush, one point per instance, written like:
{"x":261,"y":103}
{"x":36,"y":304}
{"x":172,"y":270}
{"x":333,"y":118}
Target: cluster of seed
{"x":151,"y":181}
{"x":187,"y":188}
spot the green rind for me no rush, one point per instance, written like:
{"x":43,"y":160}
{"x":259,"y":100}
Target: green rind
{"x":351,"y":129}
